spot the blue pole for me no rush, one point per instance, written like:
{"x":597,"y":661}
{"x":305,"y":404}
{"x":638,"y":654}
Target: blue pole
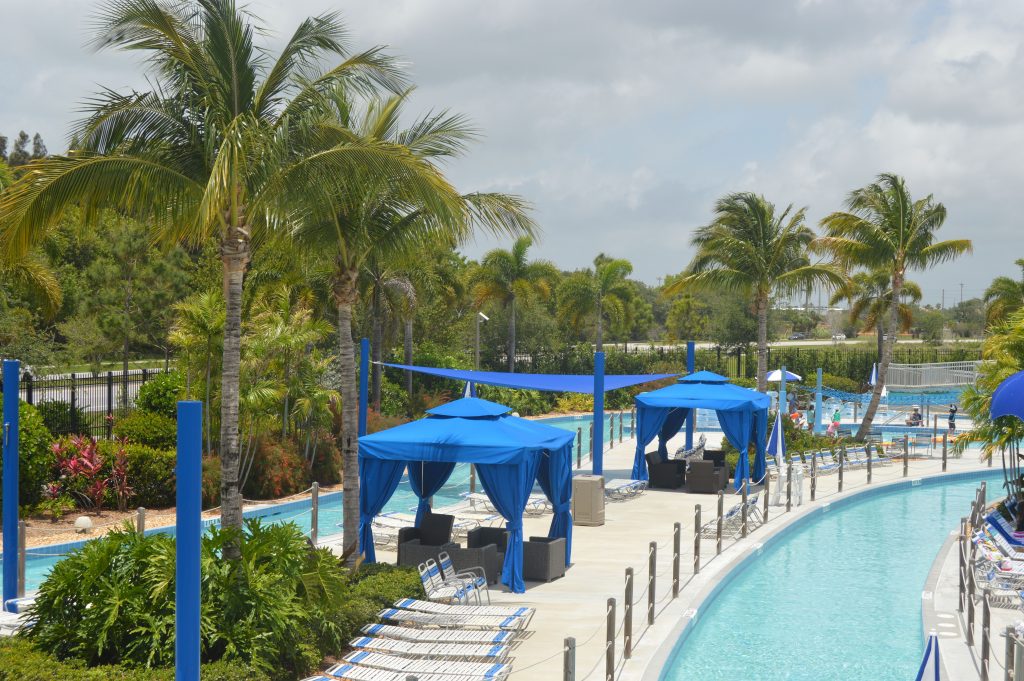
{"x":782,"y":392}
{"x":11,"y":376}
{"x":188,"y":538}
{"x":597,"y":444}
{"x":364,"y":377}
{"x":817,"y":404}
{"x":691,"y":418}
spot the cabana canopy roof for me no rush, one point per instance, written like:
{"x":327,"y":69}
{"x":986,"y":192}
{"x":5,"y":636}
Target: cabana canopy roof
{"x":717,"y":395}
{"x":510,"y":455}
{"x":571,"y":383}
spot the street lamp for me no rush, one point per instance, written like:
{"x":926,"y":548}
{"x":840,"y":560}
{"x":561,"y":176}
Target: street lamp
{"x":479,"y":316}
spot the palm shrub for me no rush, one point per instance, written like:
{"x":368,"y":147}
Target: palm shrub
{"x":280,"y":609}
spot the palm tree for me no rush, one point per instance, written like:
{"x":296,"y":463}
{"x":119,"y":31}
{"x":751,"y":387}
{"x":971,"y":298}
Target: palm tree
{"x":751,"y":250}
{"x":389,"y":291}
{"x":384,"y":216}
{"x":602,"y":292}
{"x":220,"y":148}
{"x":1004,"y":296}
{"x":198,"y":330}
{"x":506,"y":276}
{"x":884,"y":228}
{"x":870,"y":295}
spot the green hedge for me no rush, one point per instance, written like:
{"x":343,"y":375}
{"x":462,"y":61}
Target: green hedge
{"x":147,"y":428}
{"x":34,"y":456}
{"x":150,"y":472}
{"x":160,"y":394}
{"x":21,"y":661}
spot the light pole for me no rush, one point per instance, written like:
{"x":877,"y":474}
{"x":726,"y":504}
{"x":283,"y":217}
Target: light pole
{"x":479,"y":316}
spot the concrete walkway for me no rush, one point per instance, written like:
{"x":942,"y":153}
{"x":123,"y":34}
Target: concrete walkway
{"x":576,"y":605}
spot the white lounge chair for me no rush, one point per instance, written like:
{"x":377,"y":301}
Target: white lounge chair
{"x":351,"y":672}
{"x":444,"y":609}
{"x":437,"y":589}
{"x":537,"y":504}
{"x":449,"y":651}
{"x":620,"y":489}
{"x":428,"y":619}
{"x":473,"y":637}
{"x":474,"y":578}
{"x":392,"y":663}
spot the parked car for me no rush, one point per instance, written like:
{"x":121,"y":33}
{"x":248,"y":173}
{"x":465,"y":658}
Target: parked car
{"x":798,"y":336}
{"x":839,"y":336}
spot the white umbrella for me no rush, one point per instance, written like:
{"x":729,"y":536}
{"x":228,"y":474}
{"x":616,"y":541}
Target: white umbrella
{"x":777,"y":376}
{"x":777,"y":442}
{"x":929,"y":670}
{"x":874,"y":375}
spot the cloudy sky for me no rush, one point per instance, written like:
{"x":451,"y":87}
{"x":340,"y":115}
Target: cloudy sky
{"x":623,"y":121}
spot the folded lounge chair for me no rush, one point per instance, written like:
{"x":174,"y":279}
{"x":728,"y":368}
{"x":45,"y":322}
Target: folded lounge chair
{"x":489,"y":638}
{"x":428,"y":619}
{"x":391,"y":663}
{"x":449,"y":651}
{"x":437,"y":589}
{"x":473,"y":578}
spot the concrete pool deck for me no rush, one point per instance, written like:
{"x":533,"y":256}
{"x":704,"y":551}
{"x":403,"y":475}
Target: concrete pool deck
{"x":575,"y":605}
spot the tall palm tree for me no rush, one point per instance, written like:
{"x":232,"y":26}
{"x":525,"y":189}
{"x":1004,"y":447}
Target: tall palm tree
{"x":389,"y":290}
{"x":602,"y":293}
{"x":885,"y":228}
{"x":506,"y":276}
{"x":219,"y":148}
{"x":751,"y":250}
{"x":198,"y":330}
{"x":378,"y":215}
{"x":870,"y":295}
{"x":1004,"y":296}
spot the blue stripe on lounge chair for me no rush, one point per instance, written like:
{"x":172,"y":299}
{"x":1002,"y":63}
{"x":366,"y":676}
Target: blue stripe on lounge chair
{"x":522,"y":611}
{"x":507,"y":621}
{"x":494,"y":671}
{"x":388,"y":612}
{"x":359,"y":656}
{"x":362,"y":641}
{"x":338,"y":669}
{"x":501,"y":636}
{"x":404,"y":603}
{"x":374,"y":628}
{"x":495,"y":651}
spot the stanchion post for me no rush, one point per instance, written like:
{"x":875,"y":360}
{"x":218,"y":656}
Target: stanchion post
{"x":591,"y":441}
{"x":632,"y":422}
{"x":789,"y":487}
{"x":906,"y":458}
{"x":963,"y":564}
{"x":842,"y":468}
{"x":766,"y":495}
{"x":579,"y":447}
{"x":970,"y":602}
{"x":569,"y":660}
{"x":814,"y":475}
{"x":611,"y":431}
{"x":986,"y":642}
{"x":314,"y":512}
{"x":944,"y":450}
{"x":140,"y":520}
{"x":696,"y":546}
{"x":743,"y":512}
{"x":677,"y":545}
{"x":627,"y":616}
{"x":609,"y":650}
{"x":472,"y":472}
{"x":21,"y":558}
{"x":620,"y":427}
{"x":188,"y":541}
{"x":718,"y":523}
{"x":652,"y":576}
{"x":1008,"y":656}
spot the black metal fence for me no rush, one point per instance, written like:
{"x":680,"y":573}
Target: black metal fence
{"x":84,"y":403}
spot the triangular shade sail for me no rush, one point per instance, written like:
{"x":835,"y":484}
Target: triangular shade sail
{"x":572,"y":383}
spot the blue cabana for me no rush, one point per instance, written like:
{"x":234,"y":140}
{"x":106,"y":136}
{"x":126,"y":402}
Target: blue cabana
{"x":510,"y":454}
{"x":742,"y":413}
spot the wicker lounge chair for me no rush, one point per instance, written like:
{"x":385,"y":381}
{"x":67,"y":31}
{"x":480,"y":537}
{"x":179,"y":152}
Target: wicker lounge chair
{"x":704,"y":477}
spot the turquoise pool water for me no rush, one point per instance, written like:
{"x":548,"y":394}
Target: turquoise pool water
{"x":837,"y":598}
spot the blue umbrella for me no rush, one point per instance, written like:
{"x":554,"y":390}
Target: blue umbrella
{"x":929,"y":670}
{"x":777,"y":442}
{"x":1008,"y":397}
{"x":874,"y":375}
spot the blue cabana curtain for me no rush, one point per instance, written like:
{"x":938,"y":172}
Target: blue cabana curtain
{"x":555,"y":477}
{"x":673,"y":422}
{"x":736,"y":426}
{"x":508,"y":486}
{"x":649,"y":424}
{"x":427,"y":478}
{"x":378,"y":480}
{"x":760,"y":432}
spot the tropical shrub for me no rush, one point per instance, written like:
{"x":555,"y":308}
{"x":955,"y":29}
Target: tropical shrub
{"x":147,"y":428}
{"x":836,"y":383}
{"x":160,"y":394}
{"x":150,"y":472}
{"x":21,"y":660}
{"x":61,"y":419}
{"x":277,"y":470}
{"x":34,"y":457}
{"x":82,"y":472}
{"x":393,"y":399}
{"x":279,"y":609}
{"x":524,"y":402}
{"x":326,"y":466}
{"x":567,"y":403}
{"x":211,"y":481}
{"x":375,"y":421}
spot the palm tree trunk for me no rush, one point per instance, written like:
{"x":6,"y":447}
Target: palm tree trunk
{"x":345,"y":298}
{"x":378,"y":340}
{"x":512,"y":336}
{"x":235,"y":256}
{"x":886,"y":358}
{"x":878,"y":341}
{"x":762,"y":342}
{"x":408,"y":361}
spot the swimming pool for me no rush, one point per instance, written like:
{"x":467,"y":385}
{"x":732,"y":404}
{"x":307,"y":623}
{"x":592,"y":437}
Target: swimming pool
{"x":837,"y":597}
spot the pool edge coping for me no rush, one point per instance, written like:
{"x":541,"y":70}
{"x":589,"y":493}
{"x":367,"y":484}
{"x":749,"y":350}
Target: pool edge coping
{"x":654,"y":665}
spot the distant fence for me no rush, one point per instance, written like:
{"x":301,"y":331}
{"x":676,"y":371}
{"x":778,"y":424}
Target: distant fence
{"x":941,"y":374}
{"x":84,"y":403}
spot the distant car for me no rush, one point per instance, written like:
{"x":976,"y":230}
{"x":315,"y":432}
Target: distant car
{"x":797,"y":336}
{"x":839,"y":336}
